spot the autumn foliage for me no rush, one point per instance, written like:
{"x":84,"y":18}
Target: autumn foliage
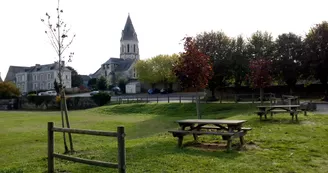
{"x":8,"y":90}
{"x":193,"y":68}
{"x":259,"y":75}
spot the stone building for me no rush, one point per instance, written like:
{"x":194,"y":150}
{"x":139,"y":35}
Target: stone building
{"x":116,"y":69}
{"x":38,"y":77}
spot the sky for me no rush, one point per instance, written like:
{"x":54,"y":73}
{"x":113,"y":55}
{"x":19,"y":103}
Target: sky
{"x":160,"y":26}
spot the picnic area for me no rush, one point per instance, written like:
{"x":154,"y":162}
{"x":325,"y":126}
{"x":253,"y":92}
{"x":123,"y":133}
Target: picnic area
{"x":277,"y":145}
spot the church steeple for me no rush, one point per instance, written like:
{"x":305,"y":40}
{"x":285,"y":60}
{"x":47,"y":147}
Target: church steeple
{"x":128,"y":33}
{"x":129,"y":41}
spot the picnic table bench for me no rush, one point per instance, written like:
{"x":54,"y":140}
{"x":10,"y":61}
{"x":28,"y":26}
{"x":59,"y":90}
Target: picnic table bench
{"x":273,"y":109}
{"x":228,"y":129}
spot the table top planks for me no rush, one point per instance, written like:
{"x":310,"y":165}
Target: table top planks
{"x":279,"y":106}
{"x":210,"y":121}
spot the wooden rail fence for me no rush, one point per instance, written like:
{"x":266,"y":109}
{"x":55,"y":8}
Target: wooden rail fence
{"x":120,"y":135}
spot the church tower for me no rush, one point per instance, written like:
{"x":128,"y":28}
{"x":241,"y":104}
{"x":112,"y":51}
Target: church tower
{"x":129,"y":41}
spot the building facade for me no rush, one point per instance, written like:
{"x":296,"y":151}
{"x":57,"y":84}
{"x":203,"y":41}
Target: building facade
{"x":38,"y":77}
{"x":116,"y":69}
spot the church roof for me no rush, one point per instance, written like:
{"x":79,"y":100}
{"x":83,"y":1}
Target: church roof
{"x":123,"y":64}
{"x":128,"y":33}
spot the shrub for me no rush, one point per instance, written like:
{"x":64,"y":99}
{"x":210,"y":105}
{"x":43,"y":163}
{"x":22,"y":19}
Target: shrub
{"x":40,"y":100}
{"x":101,"y":98}
{"x":8,"y":90}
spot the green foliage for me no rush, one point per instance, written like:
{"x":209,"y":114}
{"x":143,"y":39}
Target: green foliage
{"x":158,"y":69}
{"x":8,"y":90}
{"x":76,"y":78}
{"x":287,"y":61}
{"x":260,"y":45}
{"x":92,"y":83}
{"x":239,"y":61}
{"x":101,"y":98}
{"x":102,"y":83}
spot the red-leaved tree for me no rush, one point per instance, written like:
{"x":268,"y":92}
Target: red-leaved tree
{"x":259,"y":75}
{"x":193,"y":68}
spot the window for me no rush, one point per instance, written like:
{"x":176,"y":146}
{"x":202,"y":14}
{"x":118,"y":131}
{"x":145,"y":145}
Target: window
{"x":23,"y":87}
{"x":105,"y":73}
{"x":34,"y":77}
{"x":41,"y":76}
{"x":128,"y":46}
{"x":49,"y":76}
{"x":49,"y":85}
{"x":23,"y":77}
{"x":35,"y":86}
{"x":42,"y":86}
{"x":66,"y":76}
{"x":134,"y":48}
{"x":38,"y":76}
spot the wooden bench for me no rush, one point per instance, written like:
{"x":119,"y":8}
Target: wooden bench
{"x":219,"y":128}
{"x":295,"y":113}
{"x":225,"y":135}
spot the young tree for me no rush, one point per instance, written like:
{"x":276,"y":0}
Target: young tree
{"x":58,"y":34}
{"x":193,"y":68}
{"x":56,"y":87}
{"x":216,"y":46}
{"x":287,"y":59}
{"x":316,"y":45}
{"x":259,"y":75}
{"x":8,"y":90}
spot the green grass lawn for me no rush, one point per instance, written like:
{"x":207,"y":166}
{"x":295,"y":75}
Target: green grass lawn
{"x":280,"y":145}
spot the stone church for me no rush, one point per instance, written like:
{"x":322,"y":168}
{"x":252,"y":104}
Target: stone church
{"x":116,"y":69}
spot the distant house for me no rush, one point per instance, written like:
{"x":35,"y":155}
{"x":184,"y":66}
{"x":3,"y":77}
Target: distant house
{"x":38,"y":77}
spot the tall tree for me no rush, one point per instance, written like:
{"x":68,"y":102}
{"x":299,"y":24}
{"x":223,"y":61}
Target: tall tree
{"x":287,"y":59}
{"x":145,"y":72}
{"x":260,"y":74}
{"x":216,"y":46}
{"x":193,"y":69}
{"x":75,"y":77}
{"x":102,"y":83}
{"x":260,"y":45}
{"x":239,"y":61}
{"x":316,"y":45}
{"x":58,"y":34}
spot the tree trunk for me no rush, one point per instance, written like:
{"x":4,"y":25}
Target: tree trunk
{"x":213,"y":94}
{"x":67,"y":123}
{"x":63,"y":123}
{"x":221,"y":96}
{"x":261,"y":95}
{"x":325,"y":98}
{"x":197,"y":105}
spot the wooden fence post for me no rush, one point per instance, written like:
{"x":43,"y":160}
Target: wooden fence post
{"x":157,"y":99}
{"x":236,"y":101}
{"x":50,"y":147}
{"x":121,"y":149}
{"x":147,"y":99}
{"x":180,"y":98}
{"x":192,"y":99}
{"x":168,"y":99}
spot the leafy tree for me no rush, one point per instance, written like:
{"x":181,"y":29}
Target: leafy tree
{"x":146,"y":72}
{"x":8,"y":90}
{"x":193,"y":68}
{"x":216,"y":46}
{"x":287,"y":60}
{"x":259,"y":74}
{"x":76,"y":78}
{"x":239,"y":61}
{"x":158,"y":69}
{"x":58,"y":33}
{"x":316,"y":45}
{"x":92,"y":83}
{"x":260,"y":45}
{"x":102,"y":83}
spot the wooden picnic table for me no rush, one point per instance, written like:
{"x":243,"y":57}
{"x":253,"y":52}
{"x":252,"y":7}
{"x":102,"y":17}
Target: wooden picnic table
{"x":228,"y":129}
{"x":292,"y":109}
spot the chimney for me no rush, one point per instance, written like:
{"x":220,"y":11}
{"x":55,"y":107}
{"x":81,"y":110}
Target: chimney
{"x":63,"y":63}
{"x":37,"y":65}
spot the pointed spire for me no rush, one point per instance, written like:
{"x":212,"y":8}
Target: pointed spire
{"x":128,"y":32}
